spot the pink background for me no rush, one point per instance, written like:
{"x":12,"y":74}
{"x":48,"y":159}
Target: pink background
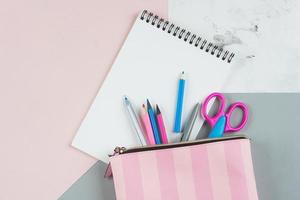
{"x":54,"y":55}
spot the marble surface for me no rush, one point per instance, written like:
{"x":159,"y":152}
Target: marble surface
{"x":264,"y":33}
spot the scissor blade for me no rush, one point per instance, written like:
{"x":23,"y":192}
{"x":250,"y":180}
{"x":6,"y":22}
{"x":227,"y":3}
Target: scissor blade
{"x":205,"y":128}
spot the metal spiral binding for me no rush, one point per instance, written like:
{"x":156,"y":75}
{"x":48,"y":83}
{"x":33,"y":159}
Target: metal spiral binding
{"x":187,"y":36}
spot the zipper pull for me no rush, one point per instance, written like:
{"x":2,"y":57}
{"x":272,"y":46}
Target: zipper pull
{"x":117,"y":151}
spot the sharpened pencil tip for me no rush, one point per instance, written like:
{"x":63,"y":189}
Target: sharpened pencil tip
{"x":144,"y":108}
{"x":148,"y":104}
{"x":197,"y":107}
{"x":182,"y":76}
{"x":126,"y":100}
{"x":157,"y":110}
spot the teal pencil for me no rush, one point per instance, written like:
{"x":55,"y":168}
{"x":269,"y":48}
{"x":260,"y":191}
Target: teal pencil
{"x":179,"y":106}
{"x":153,"y":123}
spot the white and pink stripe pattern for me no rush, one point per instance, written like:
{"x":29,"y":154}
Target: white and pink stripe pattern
{"x":213,"y":171}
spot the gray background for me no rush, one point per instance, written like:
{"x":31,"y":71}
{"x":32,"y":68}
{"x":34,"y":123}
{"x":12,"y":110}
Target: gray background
{"x":273,"y":127}
{"x":91,"y":186}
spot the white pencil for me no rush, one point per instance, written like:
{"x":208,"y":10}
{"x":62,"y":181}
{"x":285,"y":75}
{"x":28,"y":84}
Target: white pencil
{"x":134,"y":120}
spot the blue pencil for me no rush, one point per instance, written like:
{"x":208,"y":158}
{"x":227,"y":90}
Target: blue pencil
{"x":177,"y":124}
{"x":153,"y":123}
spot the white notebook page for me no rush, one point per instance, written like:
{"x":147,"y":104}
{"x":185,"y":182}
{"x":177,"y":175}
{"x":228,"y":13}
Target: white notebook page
{"x":148,"y":66}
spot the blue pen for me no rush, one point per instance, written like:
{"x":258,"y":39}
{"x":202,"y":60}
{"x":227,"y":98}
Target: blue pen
{"x":177,"y":124}
{"x":153,"y":123}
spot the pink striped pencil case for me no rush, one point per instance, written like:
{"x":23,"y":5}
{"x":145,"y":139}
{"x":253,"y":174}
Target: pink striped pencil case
{"x":209,"y":169}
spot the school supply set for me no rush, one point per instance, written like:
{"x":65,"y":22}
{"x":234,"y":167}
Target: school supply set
{"x":214,"y":168}
{"x":150,"y":127}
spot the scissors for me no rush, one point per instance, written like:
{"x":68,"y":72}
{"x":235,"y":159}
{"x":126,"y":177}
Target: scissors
{"x":220,"y":122}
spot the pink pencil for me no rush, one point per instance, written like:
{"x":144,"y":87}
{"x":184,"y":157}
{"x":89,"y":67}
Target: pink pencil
{"x":161,"y":126}
{"x":147,"y":126}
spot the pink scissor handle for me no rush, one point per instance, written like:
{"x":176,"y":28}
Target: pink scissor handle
{"x":243,"y":107}
{"x":212,"y":120}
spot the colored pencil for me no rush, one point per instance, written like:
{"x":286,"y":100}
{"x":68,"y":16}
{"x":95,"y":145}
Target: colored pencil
{"x":161,"y":126}
{"x":134,"y":121}
{"x":147,"y":125}
{"x":179,"y":105}
{"x":153,"y":123}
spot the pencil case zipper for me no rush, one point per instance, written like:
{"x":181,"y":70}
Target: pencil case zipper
{"x":123,"y":150}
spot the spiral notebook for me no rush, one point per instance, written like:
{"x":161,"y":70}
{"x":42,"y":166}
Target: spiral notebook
{"x":148,"y":65}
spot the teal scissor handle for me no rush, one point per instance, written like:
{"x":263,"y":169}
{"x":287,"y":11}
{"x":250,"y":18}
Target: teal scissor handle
{"x":218,"y":129}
